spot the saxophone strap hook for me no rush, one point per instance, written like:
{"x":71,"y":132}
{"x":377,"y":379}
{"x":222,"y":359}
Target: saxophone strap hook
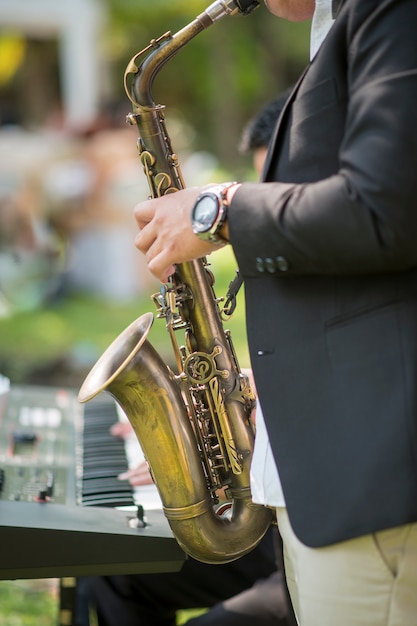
{"x":231,"y":301}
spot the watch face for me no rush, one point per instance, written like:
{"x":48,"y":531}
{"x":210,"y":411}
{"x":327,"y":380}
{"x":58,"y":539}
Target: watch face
{"x":205,"y":212}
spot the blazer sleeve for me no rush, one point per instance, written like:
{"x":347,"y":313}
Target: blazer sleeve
{"x":363,"y":218}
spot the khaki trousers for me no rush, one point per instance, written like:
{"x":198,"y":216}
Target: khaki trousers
{"x":368,"y":581}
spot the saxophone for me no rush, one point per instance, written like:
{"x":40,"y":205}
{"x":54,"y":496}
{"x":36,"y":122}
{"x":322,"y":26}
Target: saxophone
{"x":194,"y":426}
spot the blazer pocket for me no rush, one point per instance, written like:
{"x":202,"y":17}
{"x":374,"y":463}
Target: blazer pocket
{"x":365,"y":358}
{"x":367,"y":369}
{"x":359,"y":313}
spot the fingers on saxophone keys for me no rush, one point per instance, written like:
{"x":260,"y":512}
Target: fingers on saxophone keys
{"x":159,"y":268}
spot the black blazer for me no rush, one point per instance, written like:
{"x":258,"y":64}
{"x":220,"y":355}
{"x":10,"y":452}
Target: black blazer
{"x":329,"y":258}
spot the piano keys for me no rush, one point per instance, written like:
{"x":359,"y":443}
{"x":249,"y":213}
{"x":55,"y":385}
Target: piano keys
{"x":100,"y":485}
{"x":59,"y":489}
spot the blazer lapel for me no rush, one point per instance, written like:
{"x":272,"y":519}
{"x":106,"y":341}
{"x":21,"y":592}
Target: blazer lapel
{"x":336,"y":6}
{"x":280,"y":125}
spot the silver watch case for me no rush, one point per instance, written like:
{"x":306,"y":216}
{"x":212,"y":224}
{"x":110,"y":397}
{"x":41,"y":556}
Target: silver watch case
{"x":209,"y":214}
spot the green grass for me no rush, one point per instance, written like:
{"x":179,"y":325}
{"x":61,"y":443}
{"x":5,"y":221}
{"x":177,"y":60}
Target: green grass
{"x":184,"y":616}
{"x":36,"y":603}
{"x":29,"y":603}
{"x":77,"y":329}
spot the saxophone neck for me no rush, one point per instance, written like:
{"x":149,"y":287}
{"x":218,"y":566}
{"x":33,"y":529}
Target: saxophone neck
{"x":139,"y":76}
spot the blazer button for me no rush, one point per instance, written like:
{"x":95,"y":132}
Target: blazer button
{"x":282,"y":264}
{"x":270,"y":265}
{"x":259,"y":264}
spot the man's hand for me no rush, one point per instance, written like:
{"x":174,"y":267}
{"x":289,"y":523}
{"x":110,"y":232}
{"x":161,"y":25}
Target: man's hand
{"x":121,"y":429}
{"x":165,"y":233}
{"x":249,"y":374}
{"x":138,"y":476}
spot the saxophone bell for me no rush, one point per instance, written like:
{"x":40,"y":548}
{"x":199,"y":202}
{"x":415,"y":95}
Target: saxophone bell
{"x":194,"y":427}
{"x":132,"y":371}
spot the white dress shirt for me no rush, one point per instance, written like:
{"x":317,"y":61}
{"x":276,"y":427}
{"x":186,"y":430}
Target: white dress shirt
{"x":264,"y":478}
{"x":320,"y":25}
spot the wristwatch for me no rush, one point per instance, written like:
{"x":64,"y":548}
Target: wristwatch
{"x":210,"y":212}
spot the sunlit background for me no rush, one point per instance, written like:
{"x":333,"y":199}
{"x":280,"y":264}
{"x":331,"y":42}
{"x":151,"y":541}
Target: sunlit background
{"x":70,"y":277}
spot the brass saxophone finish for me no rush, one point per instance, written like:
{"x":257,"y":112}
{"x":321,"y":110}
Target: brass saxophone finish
{"x":194,"y":426}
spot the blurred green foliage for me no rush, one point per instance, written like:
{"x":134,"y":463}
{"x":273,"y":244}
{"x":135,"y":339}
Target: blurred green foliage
{"x":218,"y":80}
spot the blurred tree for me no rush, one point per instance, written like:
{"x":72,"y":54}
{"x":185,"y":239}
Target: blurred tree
{"x":218,"y":80}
